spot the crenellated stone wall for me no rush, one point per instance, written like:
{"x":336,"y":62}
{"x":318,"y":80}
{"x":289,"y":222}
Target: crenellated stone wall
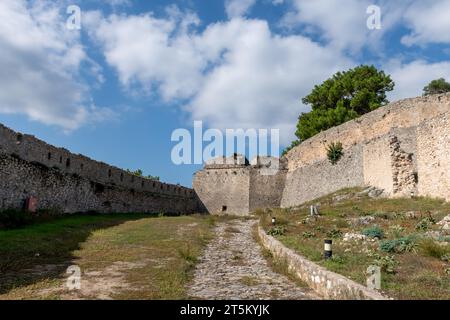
{"x":224,"y":189}
{"x":407,"y":113}
{"x":74,"y":183}
{"x":402,"y":148}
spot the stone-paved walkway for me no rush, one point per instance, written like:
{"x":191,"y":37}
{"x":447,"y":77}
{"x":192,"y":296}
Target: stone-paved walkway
{"x":233,"y":267}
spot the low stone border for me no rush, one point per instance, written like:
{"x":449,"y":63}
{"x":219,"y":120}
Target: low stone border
{"x":327,"y":284}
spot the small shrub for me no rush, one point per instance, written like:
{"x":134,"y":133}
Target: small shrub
{"x":396,"y":230}
{"x":386,"y":263}
{"x":308,"y":235}
{"x":335,"y":152}
{"x":319,"y":228}
{"x":335,"y":259}
{"x":277,"y":231}
{"x":429,"y":247}
{"x":187,"y":254}
{"x":373,"y":232}
{"x":425,"y":224}
{"x":400,"y":245}
{"x":334,"y":233}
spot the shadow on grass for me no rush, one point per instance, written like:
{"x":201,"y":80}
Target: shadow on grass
{"x":45,"y":250}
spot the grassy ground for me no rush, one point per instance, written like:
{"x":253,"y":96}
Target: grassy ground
{"x":120,"y":257}
{"x":413,"y":265}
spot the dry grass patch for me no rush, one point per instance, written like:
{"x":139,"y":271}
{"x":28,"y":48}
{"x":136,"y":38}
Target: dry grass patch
{"x":120,"y":256}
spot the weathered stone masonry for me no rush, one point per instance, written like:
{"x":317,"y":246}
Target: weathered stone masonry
{"x":233,"y":186}
{"x":402,"y":148}
{"x":74,"y":183}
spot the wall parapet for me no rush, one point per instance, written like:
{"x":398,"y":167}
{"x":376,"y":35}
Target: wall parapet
{"x":404,"y":113}
{"x":401,"y":148}
{"x":34,"y":150}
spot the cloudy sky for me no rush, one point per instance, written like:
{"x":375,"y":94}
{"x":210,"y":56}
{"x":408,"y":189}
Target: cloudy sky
{"x":136,"y":70}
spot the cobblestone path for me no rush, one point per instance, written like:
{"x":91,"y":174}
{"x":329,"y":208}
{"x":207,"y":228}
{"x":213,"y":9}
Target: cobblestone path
{"x":233,"y":267}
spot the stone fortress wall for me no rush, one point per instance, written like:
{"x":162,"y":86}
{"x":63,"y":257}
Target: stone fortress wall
{"x":68,"y":182}
{"x":233,"y":185}
{"x":402,"y":148}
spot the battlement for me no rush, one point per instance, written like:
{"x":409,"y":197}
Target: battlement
{"x":402,"y":148}
{"x":404,"y":113}
{"x":31,"y":149}
{"x":234,"y":161}
{"x":22,"y":153}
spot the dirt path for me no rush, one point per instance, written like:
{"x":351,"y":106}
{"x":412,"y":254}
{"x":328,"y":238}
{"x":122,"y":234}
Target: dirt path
{"x":233,"y":267}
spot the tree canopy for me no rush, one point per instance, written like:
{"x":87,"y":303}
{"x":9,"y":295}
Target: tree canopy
{"x":343,"y":97}
{"x":436,"y":86}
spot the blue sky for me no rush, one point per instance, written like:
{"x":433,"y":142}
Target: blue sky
{"x":137,"y":70}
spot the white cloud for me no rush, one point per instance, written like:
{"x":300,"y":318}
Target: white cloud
{"x":233,"y":74}
{"x":143,"y":51}
{"x":343,"y":23}
{"x":238,"y":73}
{"x":429,"y":21}
{"x":411,"y":78}
{"x":39,"y":66}
{"x":262,"y":78}
{"x":238,"y":8}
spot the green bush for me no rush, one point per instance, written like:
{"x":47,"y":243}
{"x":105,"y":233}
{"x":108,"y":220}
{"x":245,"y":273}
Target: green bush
{"x":396,"y":230}
{"x":425,"y":224}
{"x":335,"y":152}
{"x":334,"y":233}
{"x":400,"y":245}
{"x":319,"y":228}
{"x":277,"y":231}
{"x":386,"y":263}
{"x":373,"y":232}
{"x":308,"y":235}
{"x":431,"y":248}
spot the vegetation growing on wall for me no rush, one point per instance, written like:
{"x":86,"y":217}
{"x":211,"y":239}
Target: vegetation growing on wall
{"x":343,"y":97}
{"x":140,"y":173}
{"x":334,"y":152}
